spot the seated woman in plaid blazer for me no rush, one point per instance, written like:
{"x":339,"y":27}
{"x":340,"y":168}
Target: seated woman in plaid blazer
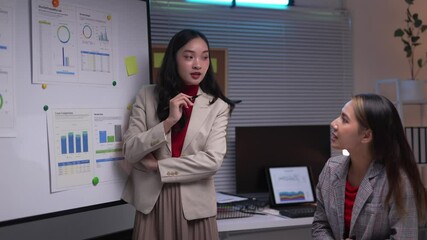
{"x":376,"y":192}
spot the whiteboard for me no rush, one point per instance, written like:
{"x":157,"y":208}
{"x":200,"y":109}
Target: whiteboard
{"x":25,"y":171}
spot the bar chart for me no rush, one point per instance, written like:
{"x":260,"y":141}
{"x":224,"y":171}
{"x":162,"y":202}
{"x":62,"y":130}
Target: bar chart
{"x":75,"y":143}
{"x":108,"y":134}
{"x":85,"y":143}
{"x":65,"y":59}
{"x":72,"y":158}
{"x":103,"y":37}
{"x":108,"y":142}
{"x":115,"y":137}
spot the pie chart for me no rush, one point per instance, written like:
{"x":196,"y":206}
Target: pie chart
{"x":87,"y":31}
{"x":63,"y":34}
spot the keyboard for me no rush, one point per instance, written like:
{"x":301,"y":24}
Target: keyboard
{"x":298,"y":212}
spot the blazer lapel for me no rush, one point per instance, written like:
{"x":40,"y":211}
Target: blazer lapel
{"x":365,"y":190}
{"x":339,"y":193}
{"x":198,"y":115}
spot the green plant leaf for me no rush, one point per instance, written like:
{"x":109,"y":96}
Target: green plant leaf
{"x":418,"y":23}
{"x":408,"y":51}
{"x":415,"y":16}
{"x":423,"y":28}
{"x":414,"y":39}
{"x":398,"y":33}
{"x":410,"y":2}
{"x":420,"y":62}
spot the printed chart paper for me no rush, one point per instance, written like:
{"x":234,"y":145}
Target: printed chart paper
{"x":71,"y":44}
{"x":85,"y":147}
{"x":7,"y":89}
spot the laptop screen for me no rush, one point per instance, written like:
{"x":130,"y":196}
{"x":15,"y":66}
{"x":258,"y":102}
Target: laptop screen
{"x":290,"y":185}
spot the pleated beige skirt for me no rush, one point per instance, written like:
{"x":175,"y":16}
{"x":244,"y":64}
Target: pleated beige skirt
{"x":166,"y":221}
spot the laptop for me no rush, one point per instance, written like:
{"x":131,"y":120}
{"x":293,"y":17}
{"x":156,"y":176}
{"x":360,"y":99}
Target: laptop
{"x":291,"y":191}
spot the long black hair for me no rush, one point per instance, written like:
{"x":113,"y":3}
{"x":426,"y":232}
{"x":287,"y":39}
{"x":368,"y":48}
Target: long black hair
{"x":391,"y":148}
{"x":169,"y":81}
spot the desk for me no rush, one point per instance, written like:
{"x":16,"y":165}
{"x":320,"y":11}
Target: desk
{"x":264,"y":227}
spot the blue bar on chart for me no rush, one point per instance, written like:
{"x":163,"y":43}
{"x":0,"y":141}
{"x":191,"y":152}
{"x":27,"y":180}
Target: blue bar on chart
{"x":78,"y":143}
{"x":85,"y":142}
{"x":65,"y":59}
{"x":63,"y":144}
{"x":102,"y":136}
{"x":71,"y":142}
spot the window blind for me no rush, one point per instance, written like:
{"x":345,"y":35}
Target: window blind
{"x":289,"y":67}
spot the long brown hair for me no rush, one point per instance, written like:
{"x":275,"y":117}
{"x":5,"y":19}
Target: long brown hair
{"x":391,"y":148}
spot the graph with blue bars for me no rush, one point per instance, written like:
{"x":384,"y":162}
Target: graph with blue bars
{"x":75,"y":143}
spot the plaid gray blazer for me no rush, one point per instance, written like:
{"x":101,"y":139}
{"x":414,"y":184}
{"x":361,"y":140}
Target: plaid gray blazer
{"x":371,"y":219}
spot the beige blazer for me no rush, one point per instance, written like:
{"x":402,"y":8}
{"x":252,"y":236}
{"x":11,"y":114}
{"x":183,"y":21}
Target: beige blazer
{"x":202,"y":154}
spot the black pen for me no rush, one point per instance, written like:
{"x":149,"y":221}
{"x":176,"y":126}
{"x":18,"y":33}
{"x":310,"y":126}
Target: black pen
{"x":194,"y":97}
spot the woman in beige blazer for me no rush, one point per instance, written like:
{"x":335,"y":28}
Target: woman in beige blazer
{"x":376,"y":192}
{"x":176,"y":142}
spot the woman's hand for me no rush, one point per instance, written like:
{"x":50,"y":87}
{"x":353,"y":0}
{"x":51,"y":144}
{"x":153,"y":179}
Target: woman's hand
{"x":176,"y":105}
{"x":150,"y":162}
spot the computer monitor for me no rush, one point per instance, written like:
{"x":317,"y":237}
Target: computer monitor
{"x":258,"y":147}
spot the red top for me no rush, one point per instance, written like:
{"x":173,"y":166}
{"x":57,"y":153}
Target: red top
{"x":178,"y":136}
{"x":350,"y":196}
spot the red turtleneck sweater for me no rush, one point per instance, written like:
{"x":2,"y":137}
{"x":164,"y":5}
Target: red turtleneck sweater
{"x":350,"y":196}
{"x":178,"y":136}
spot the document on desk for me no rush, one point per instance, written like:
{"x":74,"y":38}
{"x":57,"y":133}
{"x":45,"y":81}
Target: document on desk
{"x":227,"y":198}
{"x":273,"y":212}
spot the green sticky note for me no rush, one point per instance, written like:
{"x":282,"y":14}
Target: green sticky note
{"x":131,"y":65}
{"x":214,"y":63}
{"x":158,"y":59}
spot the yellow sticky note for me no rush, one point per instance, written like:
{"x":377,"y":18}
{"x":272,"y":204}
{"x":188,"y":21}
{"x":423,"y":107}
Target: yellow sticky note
{"x":158,"y":59}
{"x":131,"y":65}
{"x":214,"y":63}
